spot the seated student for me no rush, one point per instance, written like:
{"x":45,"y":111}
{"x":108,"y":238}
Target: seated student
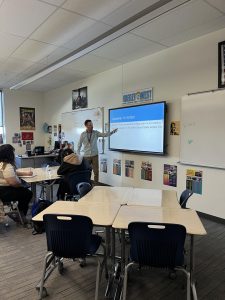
{"x":11,"y":187}
{"x":72,"y":163}
{"x":63,"y":146}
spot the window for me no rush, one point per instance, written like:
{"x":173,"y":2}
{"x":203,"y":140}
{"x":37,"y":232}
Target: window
{"x":1,"y":119}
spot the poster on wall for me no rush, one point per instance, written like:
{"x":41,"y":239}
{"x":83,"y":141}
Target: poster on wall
{"x":27,"y":118}
{"x":117,"y":167}
{"x":129,"y":168}
{"x":55,"y":130}
{"x":140,"y":96}
{"x":194,"y":181}
{"x":170,"y":175}
{"x":175,"y":128}
{"x":59,"y":131}
{"x":50,"y":129}
{"x":79,"y":98}
{"x":221,"y":64}
{"x":146,"y":170}
{"x":103,"y":165}
{"x":27,"y":136}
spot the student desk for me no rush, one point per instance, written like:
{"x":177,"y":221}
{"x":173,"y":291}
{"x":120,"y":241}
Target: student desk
{"x":185,"y":217}
{"x":153,"y":197}
{"x":132,"y":196}
{"x":41,"y":175}
{"x":107,"y":194}
{"x":35,"y":161}
{"x":101,"y":214}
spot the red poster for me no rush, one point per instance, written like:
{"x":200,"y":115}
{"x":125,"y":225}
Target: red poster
{"x":27,"y":136}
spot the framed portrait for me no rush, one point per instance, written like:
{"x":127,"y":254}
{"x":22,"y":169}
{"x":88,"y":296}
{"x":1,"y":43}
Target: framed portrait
{"x":27,"y":118}
{"x":79,"y":98}
{"x":221,"y":65}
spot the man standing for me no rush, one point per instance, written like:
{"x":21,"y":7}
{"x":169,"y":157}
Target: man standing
{"x":89,"y":139}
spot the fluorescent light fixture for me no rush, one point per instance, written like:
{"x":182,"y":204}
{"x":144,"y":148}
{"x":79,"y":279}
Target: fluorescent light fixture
{"x":154,"y":11}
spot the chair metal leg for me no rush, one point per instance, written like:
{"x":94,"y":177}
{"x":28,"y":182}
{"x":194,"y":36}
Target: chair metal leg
{"x":125,"y":280}
{"x":97,"y":280}
{"x":48,"y":259}
{"x":188,"y":281}
{"x":19,"y":214}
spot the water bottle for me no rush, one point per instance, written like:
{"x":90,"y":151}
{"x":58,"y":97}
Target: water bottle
{"x":48,"y":171}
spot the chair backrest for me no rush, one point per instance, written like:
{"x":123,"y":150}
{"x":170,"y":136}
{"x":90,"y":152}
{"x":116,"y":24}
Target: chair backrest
{"x":68,"y":236}
{"x":83,"y":188}
{"x":185,"y":195}
{"x":157,"y":245}
{"x":74,"y":178}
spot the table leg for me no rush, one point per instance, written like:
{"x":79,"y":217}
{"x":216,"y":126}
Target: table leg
{"x":48,"y":192}
{"x":33,"y":190}
{"x":119,"y":287}
{"x":123,"y":256}
{"x":113,"y":248}
{"x":192,"y":268}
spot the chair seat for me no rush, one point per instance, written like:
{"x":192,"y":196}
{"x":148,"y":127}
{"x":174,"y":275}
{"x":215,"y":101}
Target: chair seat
{"x":95,"y":243}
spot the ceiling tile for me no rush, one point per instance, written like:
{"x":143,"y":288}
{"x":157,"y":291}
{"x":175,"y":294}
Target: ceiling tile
{"x":92,"y":63}
{"x":180,"y":19}
{"x":9,"y":43}
{"x":54,"y":2}
{"x":24,"y":16}
{"x":97,"y":9}
{"x":128,"y":47}
{"x":33,"y":50}
{"x":61,"y":27}
{"x":195,"y":32}
{"x":87,"y":35}
{"x":219,"y":4}
{"x":16,"y":65}
{"x":57,"y":54}
{"x":128,"y":10}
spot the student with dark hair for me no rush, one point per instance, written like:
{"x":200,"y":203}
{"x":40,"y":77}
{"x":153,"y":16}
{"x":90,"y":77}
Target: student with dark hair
{"x":71,"y":164}
{"x":89,"y":139}
{"x":11,"y":188}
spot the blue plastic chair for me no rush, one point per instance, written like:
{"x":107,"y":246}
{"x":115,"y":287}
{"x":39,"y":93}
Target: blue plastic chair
{"x":73,"y":179}
{"x":83,"y":188}
{"x":158,"y":246}
{"x":69,"y":236}
{"x":185,"y":195}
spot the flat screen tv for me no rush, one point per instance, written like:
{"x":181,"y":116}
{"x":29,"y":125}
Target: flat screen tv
{"x":141,"y":128}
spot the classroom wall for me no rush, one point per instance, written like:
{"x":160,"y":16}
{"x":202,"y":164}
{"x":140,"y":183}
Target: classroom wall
{"x":12,"y":101}
{"x":172,"y":73}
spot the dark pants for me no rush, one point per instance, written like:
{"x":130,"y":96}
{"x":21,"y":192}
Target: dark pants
{"x":20,"y":194}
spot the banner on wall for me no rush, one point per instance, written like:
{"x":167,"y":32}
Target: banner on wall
{"x":129,"y":168}
{"x":117,"y":167}
{"x":140,"y":96}
{"x":170,"y":175}
{"x":146,"y":170}
{"x":103,"y":165}
{"x":194,"y":181}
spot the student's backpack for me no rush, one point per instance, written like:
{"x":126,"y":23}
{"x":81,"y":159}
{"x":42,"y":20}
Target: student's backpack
{"x":36,"y":209}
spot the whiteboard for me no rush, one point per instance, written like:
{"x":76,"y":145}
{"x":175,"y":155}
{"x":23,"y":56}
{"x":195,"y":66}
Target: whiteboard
{"x":203,"y":129}
{"x":73,"y":123}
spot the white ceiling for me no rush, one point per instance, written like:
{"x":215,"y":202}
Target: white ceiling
{"x":36,"y":33}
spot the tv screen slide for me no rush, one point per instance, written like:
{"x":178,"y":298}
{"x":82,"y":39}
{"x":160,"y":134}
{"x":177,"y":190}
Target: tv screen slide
{"x":140,"y":128}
